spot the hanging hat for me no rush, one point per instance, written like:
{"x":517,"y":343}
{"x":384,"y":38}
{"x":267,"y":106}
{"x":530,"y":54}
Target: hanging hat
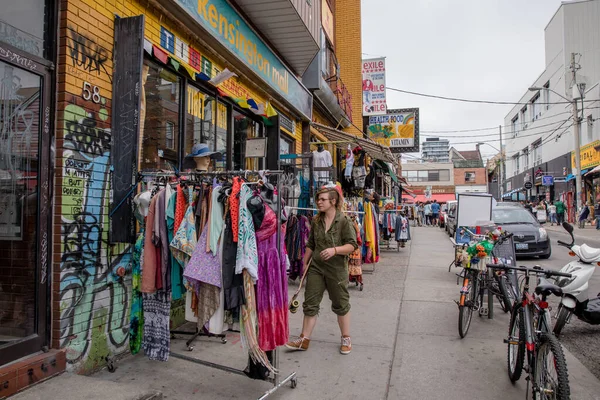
{"x":202,"y":150}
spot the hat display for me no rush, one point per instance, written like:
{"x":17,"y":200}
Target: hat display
{"x":202,"y":150}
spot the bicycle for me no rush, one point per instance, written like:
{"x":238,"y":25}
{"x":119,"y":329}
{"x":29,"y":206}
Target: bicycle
{"x":478,"y":281}
{"x":530,"y":330}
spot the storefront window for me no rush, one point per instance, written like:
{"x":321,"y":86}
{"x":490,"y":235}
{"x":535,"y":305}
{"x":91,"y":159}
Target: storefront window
{"x":199,"y":121}
{"x":244,"y":128}
{"x":222,"y":132}
{"x":159,"y":133}
{"x":22,"y":25}
{"x":20,"y":99}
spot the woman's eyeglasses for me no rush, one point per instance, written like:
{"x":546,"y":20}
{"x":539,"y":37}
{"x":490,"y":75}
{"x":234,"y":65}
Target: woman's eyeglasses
{"x":322,"y":199}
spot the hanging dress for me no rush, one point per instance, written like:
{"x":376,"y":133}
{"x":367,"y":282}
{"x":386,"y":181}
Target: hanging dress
{"x":271,"y":287}
{"x":355,"y":259}
{"x":136,"y":325}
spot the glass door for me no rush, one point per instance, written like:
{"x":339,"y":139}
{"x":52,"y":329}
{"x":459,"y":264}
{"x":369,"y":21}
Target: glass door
{"x":24,"y":210}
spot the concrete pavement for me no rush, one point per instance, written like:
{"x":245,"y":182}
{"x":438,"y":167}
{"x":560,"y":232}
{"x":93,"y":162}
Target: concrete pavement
{"x":405,"y":338}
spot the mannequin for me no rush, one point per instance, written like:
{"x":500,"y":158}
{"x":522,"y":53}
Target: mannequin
{"x":322,"y":158}
{"x":202,"y":163}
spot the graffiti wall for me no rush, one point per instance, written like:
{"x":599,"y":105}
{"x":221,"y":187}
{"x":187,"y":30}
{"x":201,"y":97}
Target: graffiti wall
{"x":94,"y":299}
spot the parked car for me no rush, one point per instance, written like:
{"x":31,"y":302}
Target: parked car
{"x":450,"y":218}
{"x":530,"y":238}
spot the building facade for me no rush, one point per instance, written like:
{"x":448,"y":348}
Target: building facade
{"x":539,"y":134}
{"x":436,"y":150}
{"x":101,"y":90}
{"x":470,"y":176}
{"x":430,"y":181}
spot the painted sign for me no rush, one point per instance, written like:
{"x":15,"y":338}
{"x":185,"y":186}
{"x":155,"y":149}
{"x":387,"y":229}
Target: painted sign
{"x":232,"y":31}
{"x":590,"y":157}
{"x":398,"y":130}
{"x":327,"y":20}
{"x":373,"y":75}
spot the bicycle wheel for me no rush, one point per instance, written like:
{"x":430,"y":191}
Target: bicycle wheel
{"x":465,"y":311}
{"x":551,"y":380}
{"x":516,"y":344}
{"x":505,"y":298}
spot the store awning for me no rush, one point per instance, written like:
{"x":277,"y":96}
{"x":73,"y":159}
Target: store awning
{"x":408,"y":192}
{"x":386,"y":168}
{"x":570,"y":177}
{"x":342,"y":140}
{"x":594,"y":171}
{"x":440,"y":197}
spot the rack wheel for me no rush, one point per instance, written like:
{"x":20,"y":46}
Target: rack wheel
{"x":294,"y":383}
{"x":190,"y":348}
{"x":223,"y":340}
{"x":360,"y":289}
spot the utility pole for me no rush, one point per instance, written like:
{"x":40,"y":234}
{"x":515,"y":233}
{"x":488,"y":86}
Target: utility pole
{"x":574,"y":67}
{"x":500,"y":182}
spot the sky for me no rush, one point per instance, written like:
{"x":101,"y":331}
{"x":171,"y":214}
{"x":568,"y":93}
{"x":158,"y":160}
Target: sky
{"x":474,"y":49}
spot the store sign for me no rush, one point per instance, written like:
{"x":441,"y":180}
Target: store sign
{"x":373,"y":76}
{"x":547,"y":180}
{"x":590,"y":157}
{"x":232,"y":31}
{"x":398,"y":130}
{"x":327,"y":20}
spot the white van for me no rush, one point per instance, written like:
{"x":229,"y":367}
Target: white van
{"x":451,"y":217}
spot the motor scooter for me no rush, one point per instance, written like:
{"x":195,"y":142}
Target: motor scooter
{"x":575,"y":289}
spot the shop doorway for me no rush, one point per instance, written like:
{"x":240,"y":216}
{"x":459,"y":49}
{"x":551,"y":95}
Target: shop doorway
{"x":24,"y":208}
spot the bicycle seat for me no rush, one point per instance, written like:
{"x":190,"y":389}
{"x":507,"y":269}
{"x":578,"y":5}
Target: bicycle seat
{"x":546,"y":288}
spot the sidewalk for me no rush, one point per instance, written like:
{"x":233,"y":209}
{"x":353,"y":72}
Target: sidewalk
{"x":405,"y":346}
{"x":589,"y":232}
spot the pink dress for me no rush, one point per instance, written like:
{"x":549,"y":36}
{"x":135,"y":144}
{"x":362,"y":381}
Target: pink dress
{"x":271,"y":287}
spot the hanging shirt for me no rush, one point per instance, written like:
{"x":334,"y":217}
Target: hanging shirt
{"x":322,"y":159}
{"x":349,"y":165}
{"x":247,"y":253}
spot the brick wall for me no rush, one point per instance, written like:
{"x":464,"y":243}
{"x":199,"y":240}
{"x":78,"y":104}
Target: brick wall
{"x":459,"y":176}
{"x":348,"y":51}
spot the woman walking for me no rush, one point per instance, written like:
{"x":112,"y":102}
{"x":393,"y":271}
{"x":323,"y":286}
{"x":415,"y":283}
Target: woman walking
{"x":332,"y":238}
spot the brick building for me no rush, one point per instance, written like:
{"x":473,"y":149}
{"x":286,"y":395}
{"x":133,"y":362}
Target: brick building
{"x":470,"y":176}
{"x":100,"y":90}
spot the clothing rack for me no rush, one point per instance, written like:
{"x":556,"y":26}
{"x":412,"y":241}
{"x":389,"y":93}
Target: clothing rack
{"x":275,"y":380}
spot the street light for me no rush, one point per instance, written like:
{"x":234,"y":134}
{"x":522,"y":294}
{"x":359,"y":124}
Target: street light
{"x":577,"y":139}
{"x":500,"y":177}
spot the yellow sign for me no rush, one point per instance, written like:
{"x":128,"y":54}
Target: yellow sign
{"x":590,"y":157}
{"x":327,"y":20}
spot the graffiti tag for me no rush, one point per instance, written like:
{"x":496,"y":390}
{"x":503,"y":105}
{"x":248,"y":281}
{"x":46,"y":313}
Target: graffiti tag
{"x":87,"y":54}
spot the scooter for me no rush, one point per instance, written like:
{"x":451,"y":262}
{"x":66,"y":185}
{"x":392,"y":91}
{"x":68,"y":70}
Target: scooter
{"x":575,"y":289}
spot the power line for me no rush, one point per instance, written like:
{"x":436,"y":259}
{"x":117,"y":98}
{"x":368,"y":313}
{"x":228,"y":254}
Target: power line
{"x":491,"y":128}
{"x":511,"y":103}
{"x":492,"y":134}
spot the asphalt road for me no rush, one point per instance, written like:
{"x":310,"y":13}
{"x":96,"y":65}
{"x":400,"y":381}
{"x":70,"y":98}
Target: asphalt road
{"x":579,"y":338}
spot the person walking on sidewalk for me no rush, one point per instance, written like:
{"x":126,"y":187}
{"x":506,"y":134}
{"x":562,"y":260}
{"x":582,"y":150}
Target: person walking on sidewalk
{"x":332,"y":238}
{"x":560,"y":211}
{"x":583,"y":216}
{"x":435,"y":212}
{"x":427,"y":210}
{"x":597,"y":214}
{"x":552,"y":214}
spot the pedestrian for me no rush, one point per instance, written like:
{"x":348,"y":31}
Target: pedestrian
{"x":597,"y":214}
{"x":560,"y":211}
{"x":583,"y":215}
{"x":421,"y":213}
{"x":552,"y":214}
{"x":332,"y":238}
{"x":435,"y":212}
{"x":427,"y":210}
{"x":529,"y":207}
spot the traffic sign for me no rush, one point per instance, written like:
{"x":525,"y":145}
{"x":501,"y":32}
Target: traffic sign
{"x":547,"y":180}
{"x":527,"y":185}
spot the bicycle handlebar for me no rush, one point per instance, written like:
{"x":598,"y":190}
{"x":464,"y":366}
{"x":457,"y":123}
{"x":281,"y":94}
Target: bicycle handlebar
{"x":546,"y":272}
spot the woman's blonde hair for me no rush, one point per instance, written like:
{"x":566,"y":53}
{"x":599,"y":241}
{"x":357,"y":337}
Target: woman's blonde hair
{"x":334,"y":194}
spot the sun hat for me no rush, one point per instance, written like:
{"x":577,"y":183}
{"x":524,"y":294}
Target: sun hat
{"x":202,"y":150}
